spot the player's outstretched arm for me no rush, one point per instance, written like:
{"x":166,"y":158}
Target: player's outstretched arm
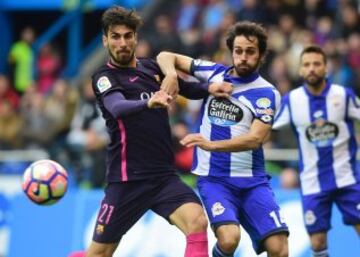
{"x":250,"y":141}
{"x":168,"y":63}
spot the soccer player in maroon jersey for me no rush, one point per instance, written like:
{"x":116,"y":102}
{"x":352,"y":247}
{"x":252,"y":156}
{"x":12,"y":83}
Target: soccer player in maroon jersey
{"x":133,"y":94}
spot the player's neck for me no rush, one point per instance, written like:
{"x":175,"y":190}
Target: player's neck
{"x":131,"y":64}
{"x":317,"y":90}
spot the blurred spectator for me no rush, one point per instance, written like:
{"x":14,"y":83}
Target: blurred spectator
{"x":21,"y":58}
{"x":60,"y":107}
{"x":48,"y":66}
{"x":212,"y":18}
{"x":7,"y":93}
{"x":143,"y":48}
{"x":339,"y":72}
{"x":164,"y":38}
{"x":183,"y":155}
{"x":10,"y":126}
{"x":87,"y":139}
{"x":251,"y":11}
{"x":188,"y":15}
{"x":39,"y":128}
{"x":289,"y":178}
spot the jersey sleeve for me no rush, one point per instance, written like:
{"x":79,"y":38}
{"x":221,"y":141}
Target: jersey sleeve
{"x":353,"y":105}
{"x":263,"y":103}
{"x":205,"y":70}
{"x":282,"y":117}
{"x":104,"y":83}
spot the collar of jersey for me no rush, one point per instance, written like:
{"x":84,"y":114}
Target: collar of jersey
{"x":323,"y":93}
{"x":239,"y":80}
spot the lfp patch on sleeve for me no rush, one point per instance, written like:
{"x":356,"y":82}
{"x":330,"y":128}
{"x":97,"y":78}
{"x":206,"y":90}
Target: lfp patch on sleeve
{"x":263,"y":102}
{"x":103,"y":84}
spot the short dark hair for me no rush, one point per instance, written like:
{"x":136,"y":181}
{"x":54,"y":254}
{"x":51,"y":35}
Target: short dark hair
{"x":118,"y":15}
{"x":313,"y":49}
{"x":248,"y":29}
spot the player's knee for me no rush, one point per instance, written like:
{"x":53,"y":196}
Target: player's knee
{"x":278,"y":251}
{"x":229,"y":240}
{"x":199,"y":224}
{"x":318,"y":241}
{"x":228,"y":244}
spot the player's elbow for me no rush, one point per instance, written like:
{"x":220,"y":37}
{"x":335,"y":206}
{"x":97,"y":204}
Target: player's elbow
{"x":163,"y":55}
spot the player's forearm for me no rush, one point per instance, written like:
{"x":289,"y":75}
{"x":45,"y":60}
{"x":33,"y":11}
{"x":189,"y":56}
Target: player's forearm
{"x":193,"y":90}
{"x":237,"y":144}
{"x":166,"y":62}
{"x":170,"y":62}
{"x":120,"y":107}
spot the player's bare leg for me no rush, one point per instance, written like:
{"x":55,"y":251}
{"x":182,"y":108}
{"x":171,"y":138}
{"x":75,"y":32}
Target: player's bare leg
{"x":228,"y":237}
{"x":357,"y":228}
{"x":319,"y":244}
{"x":191,"y":220}
{"x":277,"y":245}
{"x":101,"y":250}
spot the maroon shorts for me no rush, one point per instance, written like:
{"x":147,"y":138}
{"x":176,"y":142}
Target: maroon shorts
{"x":126,"y":202}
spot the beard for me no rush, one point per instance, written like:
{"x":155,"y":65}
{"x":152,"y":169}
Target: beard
{"x":245,"y":69}
{"x":314,"y":81}
{"x":122,"y":59}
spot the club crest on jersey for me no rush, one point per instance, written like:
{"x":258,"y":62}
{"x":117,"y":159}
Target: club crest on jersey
{"x":310,"y":217}
{"x":223,"y":112}
{"x":217,"y":209}
{"x":322,"y":133}
{"x":157,"y":78}
{"x":103,"y":84}
{"x":263,"y":102}
{"x":100,"y":229}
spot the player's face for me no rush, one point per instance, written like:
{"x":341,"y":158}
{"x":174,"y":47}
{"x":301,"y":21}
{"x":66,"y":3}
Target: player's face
{"x":313,"y":69}
{"x":121,"y":43}
{"x":246,"y":55}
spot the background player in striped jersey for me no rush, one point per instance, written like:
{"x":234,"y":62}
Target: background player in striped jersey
{"x":140,"y":162}
{"x":322,"y":116}
{"x":228,"y":156}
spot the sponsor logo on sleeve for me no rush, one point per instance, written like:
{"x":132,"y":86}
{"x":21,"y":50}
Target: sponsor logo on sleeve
{"x":103,"y":84}
{"x":263,"y":102}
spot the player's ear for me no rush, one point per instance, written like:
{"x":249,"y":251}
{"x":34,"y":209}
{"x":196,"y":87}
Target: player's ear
{"x":104,"y":40}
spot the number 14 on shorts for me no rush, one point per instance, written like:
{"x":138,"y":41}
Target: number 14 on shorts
{"x":278,"y":218}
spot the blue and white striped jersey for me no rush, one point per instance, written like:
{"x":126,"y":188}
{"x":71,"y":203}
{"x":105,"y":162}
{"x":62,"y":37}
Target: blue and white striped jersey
{"x":324,"y":128}
{"x":253,"y":98}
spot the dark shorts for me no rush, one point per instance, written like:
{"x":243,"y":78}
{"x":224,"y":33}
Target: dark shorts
{"x":125,"y":203}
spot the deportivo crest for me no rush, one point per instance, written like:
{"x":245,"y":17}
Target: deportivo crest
{"x":217,"y":209}
{"x":103,"y":84}
{"x":310,"y":217}
{"x":263,"y":102}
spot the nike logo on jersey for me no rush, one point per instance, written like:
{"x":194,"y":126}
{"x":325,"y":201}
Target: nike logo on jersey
{"x":133,"y":79}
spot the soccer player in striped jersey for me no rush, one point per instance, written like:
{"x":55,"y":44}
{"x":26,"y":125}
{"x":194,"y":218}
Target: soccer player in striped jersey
{"x":228,"y":155}
{"x":140,"y":172}
{"x":322,"y":116}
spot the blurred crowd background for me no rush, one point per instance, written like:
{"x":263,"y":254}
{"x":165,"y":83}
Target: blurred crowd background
{"x":43,"y":108}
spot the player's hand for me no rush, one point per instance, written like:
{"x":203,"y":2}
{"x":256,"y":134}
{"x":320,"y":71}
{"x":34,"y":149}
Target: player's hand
{"x":220,"y":89}
{"x":196,"y":140}
{"x":160,"y":99}
{"x":170,"y":85}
